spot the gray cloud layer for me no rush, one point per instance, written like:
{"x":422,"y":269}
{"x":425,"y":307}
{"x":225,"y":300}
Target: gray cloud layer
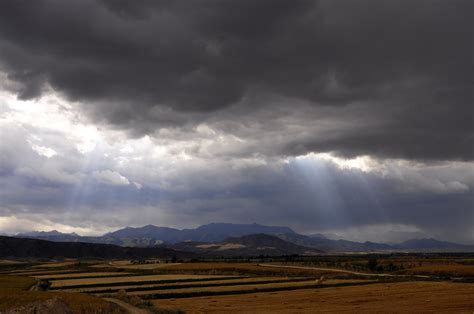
{"x":384,"y":78}
{"x":187,"y":112}
{"x":108,"y":189}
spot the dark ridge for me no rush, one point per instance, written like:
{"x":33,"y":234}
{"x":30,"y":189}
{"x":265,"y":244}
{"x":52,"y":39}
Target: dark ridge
{"x":11,"y":247}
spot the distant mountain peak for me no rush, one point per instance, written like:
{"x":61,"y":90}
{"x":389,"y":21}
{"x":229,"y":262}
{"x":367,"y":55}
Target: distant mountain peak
{"x":212,"y":232}
{"x":433,"y":245}
{"x":317,"y":236}
{"x":46,"y":234}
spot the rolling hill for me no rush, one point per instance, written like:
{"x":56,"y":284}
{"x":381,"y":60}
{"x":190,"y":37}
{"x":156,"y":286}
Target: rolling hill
{"x":11,"y":247}
{"x":248,"y":245}
{"x":433,"y":245}
{"x":328,"y":245}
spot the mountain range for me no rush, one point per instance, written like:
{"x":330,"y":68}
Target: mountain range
{"x":226,"y":233}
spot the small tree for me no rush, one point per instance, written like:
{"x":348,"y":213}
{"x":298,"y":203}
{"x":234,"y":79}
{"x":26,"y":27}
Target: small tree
{"x":372,"y":263}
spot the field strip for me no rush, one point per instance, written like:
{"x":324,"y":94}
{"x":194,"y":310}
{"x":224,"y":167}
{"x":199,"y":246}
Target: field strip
{"x":128,"y":265}
{"x":54,"y":265}
{"x":335,"y":270}
{"x":82,"y":275}
{"x":343,"y":271}
{"x":238,"y":289}
{"x":396,"y":297}
{"x":42,"y":272}
{"x":196,"y":284}
{"x":148,"y":279}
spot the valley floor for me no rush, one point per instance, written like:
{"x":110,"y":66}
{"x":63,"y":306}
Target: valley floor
{"x":426,"y":284}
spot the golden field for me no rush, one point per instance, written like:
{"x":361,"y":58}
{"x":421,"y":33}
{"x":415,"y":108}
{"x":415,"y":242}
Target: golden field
{"x":127,"y":279}
{"x":407,"y":297}
{"x":238,"y":289}
{"x":187,"y":283}
{"x":54,"y":276}
{"x":319,"y":285}
{"x":14,"y":292}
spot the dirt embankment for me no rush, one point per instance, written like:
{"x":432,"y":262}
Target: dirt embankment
{"x":130,"y":308}
{"x":53,"y":305}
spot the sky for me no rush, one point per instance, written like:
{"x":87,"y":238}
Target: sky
{"x":350,"y":118}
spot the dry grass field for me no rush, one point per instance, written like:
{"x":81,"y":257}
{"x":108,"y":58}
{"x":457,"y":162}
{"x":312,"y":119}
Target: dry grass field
{"x":127,"y":264}
{"x":16,"y":282}
{"x":14,"y":292}
{"x":241,"y":269}
{"x":443,"y":270}
{"x":10,"y":262}
{"x":56,"y":264}
{"x":38,"y":272}
{"x":127,"y":279}
{"x":207,"y":287}
{"x":62,"y":275}
{"x":239,"y":289}
{"x":407,"y":297}
{"x":184,"y":284}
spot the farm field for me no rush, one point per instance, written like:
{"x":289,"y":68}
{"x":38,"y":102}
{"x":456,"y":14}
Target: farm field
{"x":443,"y":270}
{"x":126,"y":264}
{"x":10,"y":262}
{"x":55,"y":265}
{"x":38,"y":272}
{"x":254,"y":269}
{"x":239,"y":289}
{"x":15,"y":292}
{"x":407,"y":297}
{"x":197,"y":287}
{"x":178,"y":284}
{"x":104,"y":281}
{"x":61,"y":275}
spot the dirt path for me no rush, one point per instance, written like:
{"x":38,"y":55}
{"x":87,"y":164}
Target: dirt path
{"x":334,"y":270}
{"x":130,"y":308}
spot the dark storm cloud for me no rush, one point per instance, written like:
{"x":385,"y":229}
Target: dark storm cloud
{"x":307,"y":194}
{"x":401,"y":70}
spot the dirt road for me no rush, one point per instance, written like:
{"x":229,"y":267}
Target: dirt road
{"x":130,"y":308}
{"x":334,"y":270}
